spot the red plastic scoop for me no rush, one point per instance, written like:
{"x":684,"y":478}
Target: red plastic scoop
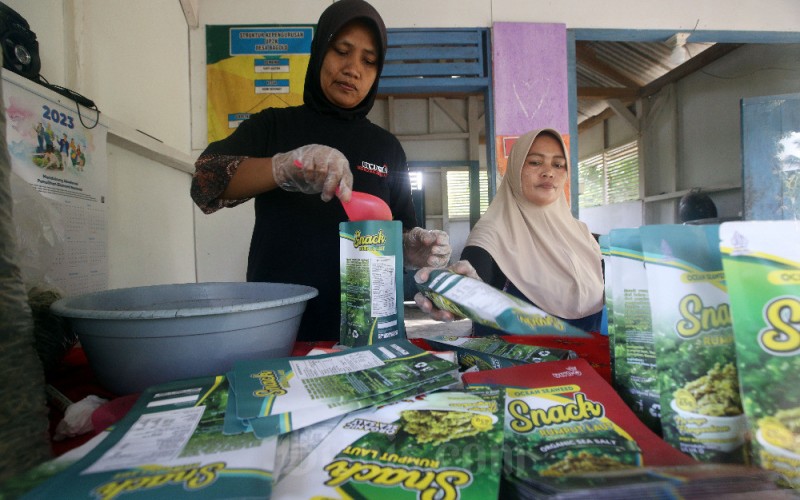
{"x":363,"y":206}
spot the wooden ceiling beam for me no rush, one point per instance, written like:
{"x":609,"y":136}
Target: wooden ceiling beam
{"x":603,"y":93}
{"x":696,"y":63}
{"x":594,"y":120}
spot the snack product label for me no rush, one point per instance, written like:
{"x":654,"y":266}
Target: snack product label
{"x":443,"y":445}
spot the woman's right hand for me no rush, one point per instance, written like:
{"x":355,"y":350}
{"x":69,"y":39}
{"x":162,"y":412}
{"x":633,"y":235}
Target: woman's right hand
{"x":314,"y":168}
{"x":425,"y":305}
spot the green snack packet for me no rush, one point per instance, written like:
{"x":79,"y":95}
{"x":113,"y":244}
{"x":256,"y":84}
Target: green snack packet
{"x":472,"y":298}
{"x":701,"y":410}
{"x":371,"y":271}
{"x":635,"y":374}
{"x":171,"y":444}
{"x":488,"y":353}
{"x":762,"y":267}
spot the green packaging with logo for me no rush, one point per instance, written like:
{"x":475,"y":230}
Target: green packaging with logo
{"x":762,"y":267}
{"x":482,"y":303}
{"x":442,"y":445}
{"x":371,"y":271}
{"x":701,"y":411}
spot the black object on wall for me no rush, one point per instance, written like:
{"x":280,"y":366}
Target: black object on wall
{"x":20,"y":47}
{"x":21,"y":55}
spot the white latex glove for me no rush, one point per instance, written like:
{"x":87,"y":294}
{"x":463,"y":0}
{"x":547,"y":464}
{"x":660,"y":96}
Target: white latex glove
{"x":425,"y":305}
{"x":78,"y":418}
{"x":426,"y":248}
{"x":324,"y":170}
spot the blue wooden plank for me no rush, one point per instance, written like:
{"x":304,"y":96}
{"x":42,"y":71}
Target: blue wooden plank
{"x":432,"y":69}
{"x":423,"y":37}
{"x":433,"y":52}
{"x":432,"y":85}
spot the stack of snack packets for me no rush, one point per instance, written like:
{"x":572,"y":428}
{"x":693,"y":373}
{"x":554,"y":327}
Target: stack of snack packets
{"x":701,"y":410}
{"x":762,"y":269}
{"x":472,"y":298}
{"x":563,"y":420}
{"x":489,"y":353}
{"x":275,"y":396}
{"x":441,"y":445}
{"x":635,"y":375}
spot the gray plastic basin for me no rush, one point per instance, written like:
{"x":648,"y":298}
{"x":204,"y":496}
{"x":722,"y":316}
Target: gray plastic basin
{"x":142,"y":336}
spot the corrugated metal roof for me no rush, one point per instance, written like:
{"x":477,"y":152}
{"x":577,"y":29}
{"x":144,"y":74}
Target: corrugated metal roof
{"x":607,"y":70}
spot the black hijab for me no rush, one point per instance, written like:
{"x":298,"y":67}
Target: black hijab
{"x":330,"y":22}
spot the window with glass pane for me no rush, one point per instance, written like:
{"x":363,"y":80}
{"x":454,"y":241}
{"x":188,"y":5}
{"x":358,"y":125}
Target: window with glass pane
{"x":610,"y":177}
{"x":458,"y":193}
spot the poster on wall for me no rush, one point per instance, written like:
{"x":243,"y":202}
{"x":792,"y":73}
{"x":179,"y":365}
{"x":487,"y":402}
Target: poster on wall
{"x":59,"y":191}
{"x":250,"y":68}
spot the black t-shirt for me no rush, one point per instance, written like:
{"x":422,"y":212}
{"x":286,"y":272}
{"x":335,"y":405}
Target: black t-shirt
{"x":296,"y":236}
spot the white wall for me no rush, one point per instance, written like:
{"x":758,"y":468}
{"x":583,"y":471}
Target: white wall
{"x":150,"y":226}
{"x":131,"y":59}
{"x":144,"y":67}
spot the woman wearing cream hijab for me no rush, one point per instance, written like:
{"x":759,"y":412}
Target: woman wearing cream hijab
{"x":529,"y":244}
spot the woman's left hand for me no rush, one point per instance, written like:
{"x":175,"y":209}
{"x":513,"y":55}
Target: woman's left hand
{"x":425,"y":305}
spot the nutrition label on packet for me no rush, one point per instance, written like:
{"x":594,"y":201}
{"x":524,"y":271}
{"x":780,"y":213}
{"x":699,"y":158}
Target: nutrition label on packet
{"x":382,"y":281}
{"x":154,"y":438}
{"x":313,"y":368}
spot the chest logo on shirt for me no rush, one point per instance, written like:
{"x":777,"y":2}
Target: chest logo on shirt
{"x":371,"y":168}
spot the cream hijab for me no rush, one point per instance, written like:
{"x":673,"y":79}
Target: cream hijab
{"x":549,"y":255}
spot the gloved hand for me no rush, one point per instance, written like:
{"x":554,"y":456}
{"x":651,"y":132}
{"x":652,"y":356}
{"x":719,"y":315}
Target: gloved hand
{"x":324,"y":170}
{"x":425,"y":305}
{"x":426,"y":248}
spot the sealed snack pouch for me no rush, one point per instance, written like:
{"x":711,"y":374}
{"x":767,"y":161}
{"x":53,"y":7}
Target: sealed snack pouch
{"x":371,"y":271}
{"x":482,"y":303}
{"x":701,"y":409}
{"x":762,"y":268}
{"x":442,"y":445}
{"x":635,"y":375}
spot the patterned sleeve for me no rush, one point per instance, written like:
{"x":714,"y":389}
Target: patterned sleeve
{"x":211,"y":176}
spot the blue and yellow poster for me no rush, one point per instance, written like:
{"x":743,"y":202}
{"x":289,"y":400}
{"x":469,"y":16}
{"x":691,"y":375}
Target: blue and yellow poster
{"x":249,"y":68}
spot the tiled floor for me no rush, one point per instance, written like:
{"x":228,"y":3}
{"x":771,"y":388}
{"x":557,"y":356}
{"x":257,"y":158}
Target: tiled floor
{"x":420,"y":325}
